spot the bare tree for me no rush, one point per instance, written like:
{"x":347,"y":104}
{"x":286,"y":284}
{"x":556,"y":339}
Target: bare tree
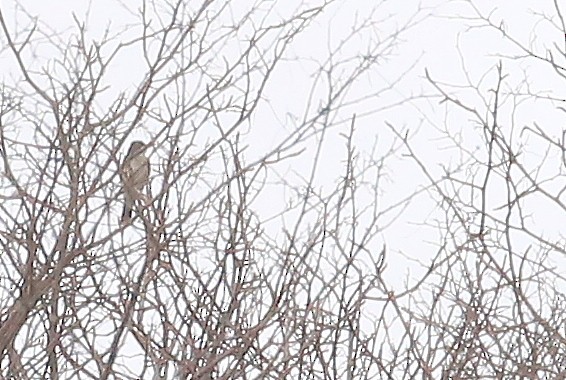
{"x":205,"y":282}
{"x":495,"y":304}
{"x":253,"y":259}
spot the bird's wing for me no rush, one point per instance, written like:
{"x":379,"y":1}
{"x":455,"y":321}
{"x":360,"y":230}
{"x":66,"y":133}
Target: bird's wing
{"x":138,"y":171}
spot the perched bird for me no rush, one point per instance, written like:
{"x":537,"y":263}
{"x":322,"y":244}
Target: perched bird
{"x":135,"y":175}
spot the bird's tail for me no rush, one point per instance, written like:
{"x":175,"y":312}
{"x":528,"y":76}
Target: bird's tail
{"x":126,"y":214}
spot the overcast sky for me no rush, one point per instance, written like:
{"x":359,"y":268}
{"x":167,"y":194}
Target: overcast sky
{"x":447,"y":40}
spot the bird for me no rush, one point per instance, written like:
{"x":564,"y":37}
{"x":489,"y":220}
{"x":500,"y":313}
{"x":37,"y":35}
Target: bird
{"x":134,"y":174}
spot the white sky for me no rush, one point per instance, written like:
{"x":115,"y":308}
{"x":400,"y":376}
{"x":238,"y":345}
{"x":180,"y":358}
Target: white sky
{"x":443,"y":43}
{"x":449,"y":44}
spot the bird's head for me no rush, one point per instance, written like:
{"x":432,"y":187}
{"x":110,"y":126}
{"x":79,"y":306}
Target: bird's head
{"x":136,"y":148}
